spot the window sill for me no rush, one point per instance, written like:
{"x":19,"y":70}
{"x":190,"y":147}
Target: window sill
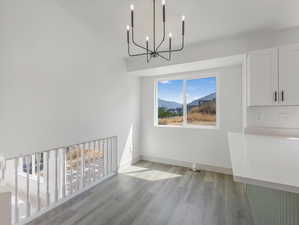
{"x":189,"y":127}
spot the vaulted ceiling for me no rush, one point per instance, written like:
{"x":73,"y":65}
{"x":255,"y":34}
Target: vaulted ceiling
{"x":205,"y":19}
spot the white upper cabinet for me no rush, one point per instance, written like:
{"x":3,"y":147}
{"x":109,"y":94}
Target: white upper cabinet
{"x":289,"y":75}
{"x":273,"y":76}
{"x":262,"y":82}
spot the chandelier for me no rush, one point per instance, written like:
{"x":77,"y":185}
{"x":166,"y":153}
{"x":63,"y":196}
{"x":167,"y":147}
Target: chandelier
{"x":155,"y":51}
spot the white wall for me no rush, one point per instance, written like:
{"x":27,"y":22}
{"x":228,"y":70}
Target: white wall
{"x":60,"y":81}
{"x":228,"y":46}
{"x":271,"y":120}
{"x":203,"y":146}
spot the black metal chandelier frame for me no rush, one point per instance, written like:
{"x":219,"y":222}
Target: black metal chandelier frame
{"x":155,"y":51}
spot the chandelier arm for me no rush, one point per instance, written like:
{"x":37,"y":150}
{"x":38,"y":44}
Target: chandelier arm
{"x":130,"y":54}
{"x":167,"y":59}
{"x":136,"y":44}
{"x":175,"y":50}
{"x":163,"y":39}
{"x":141,"y":54}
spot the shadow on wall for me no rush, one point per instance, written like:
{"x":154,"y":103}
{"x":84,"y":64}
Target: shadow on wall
{"x":127,"y":155}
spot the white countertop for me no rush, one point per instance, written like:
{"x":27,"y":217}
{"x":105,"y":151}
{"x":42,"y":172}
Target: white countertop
{"x":269,"y":161}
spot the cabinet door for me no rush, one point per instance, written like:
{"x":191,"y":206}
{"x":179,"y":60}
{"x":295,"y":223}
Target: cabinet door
{"x":262,"y":78}
{"x":289,"y":75}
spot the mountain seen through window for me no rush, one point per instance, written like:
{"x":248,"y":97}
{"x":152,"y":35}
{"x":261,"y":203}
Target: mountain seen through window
{"x":199,"y":95}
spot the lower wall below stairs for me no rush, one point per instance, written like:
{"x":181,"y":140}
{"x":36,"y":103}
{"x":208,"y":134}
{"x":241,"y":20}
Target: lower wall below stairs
{"x":272,"y":207}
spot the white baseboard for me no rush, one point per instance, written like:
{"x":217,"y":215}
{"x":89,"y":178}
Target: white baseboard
{"x":187,"y":164}
{"x":130,"y":162}
{"x":136,"y":159}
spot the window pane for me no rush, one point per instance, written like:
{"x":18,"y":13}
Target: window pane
{"x":170,"y":102}
{"x":201,"y":101}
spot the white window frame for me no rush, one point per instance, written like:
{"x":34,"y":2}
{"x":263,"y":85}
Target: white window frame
{"x":184,"y":78}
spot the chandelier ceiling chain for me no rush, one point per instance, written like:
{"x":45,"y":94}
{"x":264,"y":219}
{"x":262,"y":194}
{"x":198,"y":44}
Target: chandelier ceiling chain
{"x":155,"y":51}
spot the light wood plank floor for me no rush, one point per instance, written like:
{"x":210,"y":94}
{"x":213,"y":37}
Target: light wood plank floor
{"x":156,"y":194}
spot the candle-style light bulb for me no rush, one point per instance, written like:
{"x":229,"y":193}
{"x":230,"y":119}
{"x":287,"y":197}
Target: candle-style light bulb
{"x":163,"y":10}
{"x":132,"y":16}
{"x":146,"y":45}
{"x":170,"y":45}
{"x":183,"y":25}
{"x":128,"y":34}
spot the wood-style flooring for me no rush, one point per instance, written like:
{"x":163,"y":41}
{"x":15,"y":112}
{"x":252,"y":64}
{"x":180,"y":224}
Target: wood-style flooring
{"x":155,"y":194}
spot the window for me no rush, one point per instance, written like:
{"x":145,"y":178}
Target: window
{"x":170,"y":102}
{"x":187,"y":102}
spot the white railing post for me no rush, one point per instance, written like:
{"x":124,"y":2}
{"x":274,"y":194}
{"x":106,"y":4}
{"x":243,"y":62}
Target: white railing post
{"x":94,"y":161}
{"x":69,"y":152}
{"x":5,"y":206}
{"x":63,"y":172}
{"x":105,"y":157}
{"x":89,"y":162}
{"x":38,"y":159}
{"x":82,"y":166}
{"x":27,"y":160}
{"x":99,"y":159}
{"x":86,"y":164}
{"x":113,"y":155}
{"x":5,"y":196}
{"x":48,"y":179}
{"x":56,"y":175}
{"x":78,"y":166}
{"x":116,"y":152}
{"x":110,"y":155}
{"x":16,"y":190}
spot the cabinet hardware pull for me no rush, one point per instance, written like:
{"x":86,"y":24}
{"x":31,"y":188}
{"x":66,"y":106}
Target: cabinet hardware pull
{"x":275,"y":96}
{"x":282,"y":96}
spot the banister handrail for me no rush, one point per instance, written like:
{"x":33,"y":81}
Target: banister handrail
{"x":53,"y":149}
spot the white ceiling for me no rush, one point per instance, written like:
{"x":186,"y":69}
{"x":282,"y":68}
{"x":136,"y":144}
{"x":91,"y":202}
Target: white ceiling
{"x":205,"y":19}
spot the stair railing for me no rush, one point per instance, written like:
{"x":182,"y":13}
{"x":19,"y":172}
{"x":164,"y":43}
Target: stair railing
{"x":43,"y":180}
